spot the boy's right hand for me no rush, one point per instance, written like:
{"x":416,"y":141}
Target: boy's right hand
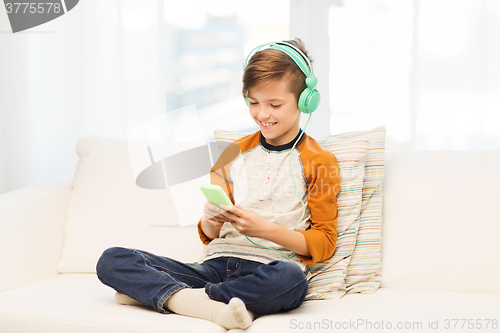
{"x":212,"y":215}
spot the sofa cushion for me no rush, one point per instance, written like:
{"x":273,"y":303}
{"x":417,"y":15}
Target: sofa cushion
{"x":326,"y":278}
{"x":106,"y":208}
{"x":364,"y":270}
{"x":390,"y":310}
{"x":79,"y":303}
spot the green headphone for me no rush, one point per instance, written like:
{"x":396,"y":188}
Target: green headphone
{"x":309,"y":98}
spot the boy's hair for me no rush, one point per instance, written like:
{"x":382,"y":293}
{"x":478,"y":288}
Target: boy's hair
{"x":270,"y":65}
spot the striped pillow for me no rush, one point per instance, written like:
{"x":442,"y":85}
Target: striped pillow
{"x":326,"y":279}
{"x":364,"y":270}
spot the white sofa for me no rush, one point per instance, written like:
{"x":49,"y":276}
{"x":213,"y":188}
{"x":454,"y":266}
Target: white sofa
{"x":440,"y":261}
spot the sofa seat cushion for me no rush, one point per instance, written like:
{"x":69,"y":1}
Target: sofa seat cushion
{"x":390,"y":306}
{"x":81,"y":303}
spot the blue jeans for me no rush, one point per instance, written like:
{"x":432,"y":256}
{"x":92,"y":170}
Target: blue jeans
{"x":150,"y":279}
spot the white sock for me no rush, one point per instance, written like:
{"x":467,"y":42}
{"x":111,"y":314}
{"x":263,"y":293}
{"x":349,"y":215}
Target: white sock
{"x":125,"y":300}
{"x":194,"y":302}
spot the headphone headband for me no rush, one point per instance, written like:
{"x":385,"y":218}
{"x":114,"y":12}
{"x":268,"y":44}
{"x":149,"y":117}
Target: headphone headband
{"x":300,"y":59}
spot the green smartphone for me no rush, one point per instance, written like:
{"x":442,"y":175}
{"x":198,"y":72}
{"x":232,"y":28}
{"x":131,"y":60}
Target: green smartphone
{"x":215,"y":195}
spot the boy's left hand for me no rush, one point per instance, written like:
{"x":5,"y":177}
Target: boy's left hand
{"x":246,"y":221}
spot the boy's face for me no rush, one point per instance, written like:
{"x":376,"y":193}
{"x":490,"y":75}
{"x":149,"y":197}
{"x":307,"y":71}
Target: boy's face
{"x":277,"y":105}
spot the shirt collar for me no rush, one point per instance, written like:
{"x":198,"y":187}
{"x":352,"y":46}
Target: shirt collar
{"x":285,"y":146}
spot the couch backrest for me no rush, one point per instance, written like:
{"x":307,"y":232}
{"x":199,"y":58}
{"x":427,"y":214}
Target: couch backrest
{"x":439,"y":226}
{"x":106,"y":208}
{"x":441,"y":223}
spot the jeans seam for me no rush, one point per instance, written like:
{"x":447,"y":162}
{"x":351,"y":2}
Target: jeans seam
{"x":239,"y":266}
{"x":210,"y":290}
{"x":143,"y":258}
{"x":167,"y":295}
{"x":173,"y":272}
{"x":146,"y":260}
{"x":236,"y":271}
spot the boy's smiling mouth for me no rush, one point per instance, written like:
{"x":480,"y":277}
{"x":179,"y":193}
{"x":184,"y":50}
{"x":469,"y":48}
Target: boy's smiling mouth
{"x":269,"y":125}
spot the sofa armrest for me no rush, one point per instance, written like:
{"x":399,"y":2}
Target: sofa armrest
{"x":32,"y":231}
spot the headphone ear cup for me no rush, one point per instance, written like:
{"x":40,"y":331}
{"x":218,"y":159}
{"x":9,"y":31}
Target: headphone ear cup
{"x":313,"y":100}
{"x":302,"y":101}
{"x":309,"y":100}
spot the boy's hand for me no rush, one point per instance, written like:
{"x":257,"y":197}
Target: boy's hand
{"x":212,"y":215}
{"x":246,"y":221}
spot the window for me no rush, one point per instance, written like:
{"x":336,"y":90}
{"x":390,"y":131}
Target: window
{"x":370,"y":66}
{"x":427,"y":70}
{"x":205,"y":46}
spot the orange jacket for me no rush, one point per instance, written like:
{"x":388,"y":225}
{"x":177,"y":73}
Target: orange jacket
{"x":318,"y":173}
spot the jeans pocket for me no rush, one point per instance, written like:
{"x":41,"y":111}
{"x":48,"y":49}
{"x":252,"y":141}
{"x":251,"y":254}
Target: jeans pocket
{"x":233,"y":267}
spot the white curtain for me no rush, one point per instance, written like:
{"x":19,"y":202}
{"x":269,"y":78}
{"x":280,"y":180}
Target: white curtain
{"x":95,"y":71}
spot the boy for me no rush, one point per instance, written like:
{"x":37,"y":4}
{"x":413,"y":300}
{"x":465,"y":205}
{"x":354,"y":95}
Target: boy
{"x":240,"y":278}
